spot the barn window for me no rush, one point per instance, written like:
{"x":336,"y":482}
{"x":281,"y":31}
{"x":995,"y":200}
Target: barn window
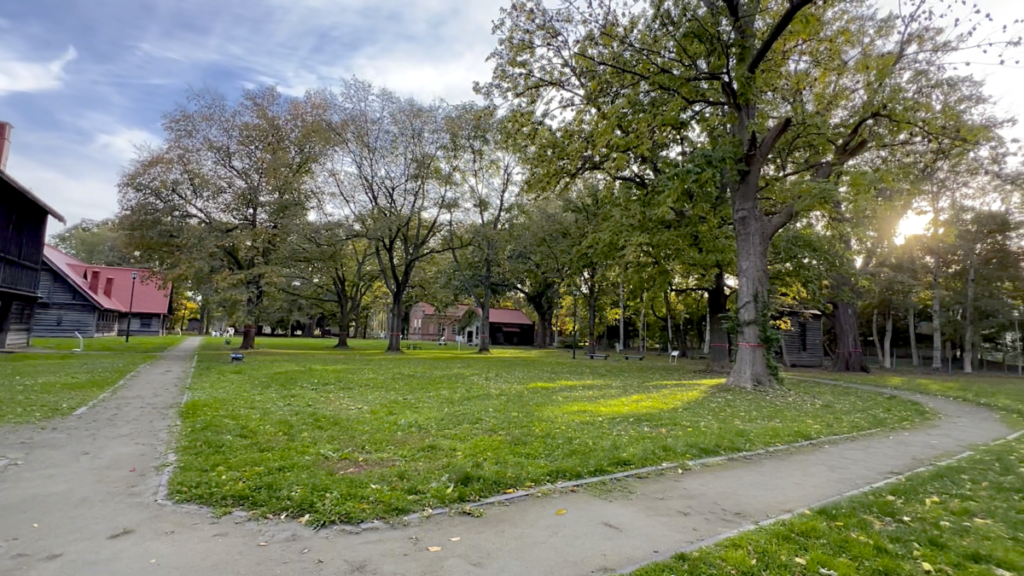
{"x":803,"y":336}
{"x":146,"y":323}
{"x":60,"y":318}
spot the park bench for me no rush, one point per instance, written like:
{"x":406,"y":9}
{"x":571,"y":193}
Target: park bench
{"x":596,"y":356}
{"x":237,"y":357}
{"x":413,"y":347}
{"x":633,"y":356}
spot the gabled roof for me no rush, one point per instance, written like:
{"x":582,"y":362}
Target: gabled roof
{"x":4,"y":176}
{"x":509,"y":316}
{"x":149,"y":298}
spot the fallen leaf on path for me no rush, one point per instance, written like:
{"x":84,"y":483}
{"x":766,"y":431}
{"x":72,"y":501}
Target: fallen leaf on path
{"x":263,"y":543}
{"x":303,"y":520}
{"x":35,"y":525}
{"x":510,"y":491}
{"x":304,"y":550}
{"x":434,"y":548}
{"x":132,"y":470}
{"x":561,"y":512}
{"x":153,"y":561}
{"x":456,"y":539}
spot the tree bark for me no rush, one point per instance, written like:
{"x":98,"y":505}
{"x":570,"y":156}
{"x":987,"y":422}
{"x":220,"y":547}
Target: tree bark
{"x":912,"y":324}
{"x":888,"y":340}
{"x":395,"y":324}
{"x":718,"y":338}
{"x":936,"y":326}
{"x":874,"y":337}
{"x":248,"y":337}
{"x":752,"y":237}
{"x":592,"y":320}
{"x":485,"y":318}
{"x":622,"y":317}
{"x":969,"y":321}
{"x":849,"y":355}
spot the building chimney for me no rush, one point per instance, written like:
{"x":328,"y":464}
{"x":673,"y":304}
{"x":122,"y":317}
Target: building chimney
{"x":108,"y":288}
{"x":5,"y":143}
{"x":94,"y":282}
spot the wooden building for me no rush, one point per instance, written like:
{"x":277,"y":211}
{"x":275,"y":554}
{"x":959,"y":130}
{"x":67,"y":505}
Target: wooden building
{"x":23,"y":218}
{"x":508,"y":326}
{"x":92,"y":301}
{"x":802,"y":342}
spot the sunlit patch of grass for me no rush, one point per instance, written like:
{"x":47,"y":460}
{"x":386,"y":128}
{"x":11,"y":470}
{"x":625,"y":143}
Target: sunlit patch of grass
{"x":268,"y":434}
{"x":36,"y":387}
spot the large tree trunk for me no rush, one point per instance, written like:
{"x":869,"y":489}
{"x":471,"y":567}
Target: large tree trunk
{"x":887,"y":362}
{"x":849,"y":355}
{"x":592,"y":320}
{"x":751,"y":368}
{"x":936,"y":327}
{"x":622,"y":317}
{"x":248,"y":337}
{"x":395,"y":323}
{"x":485,"y":323}
{"x":912,"y":324}
{"x":874,"y":337}
{"x":718,"y":338}
{"x":969,"y":321}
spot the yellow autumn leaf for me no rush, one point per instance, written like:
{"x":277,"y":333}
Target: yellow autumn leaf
{"x":561,"y":512}
{"x":800,"y":561}
{"x":982,"y":521}
{"x":510,"y":491}
{"x":433,"y":548}
{"x":927,"y":568}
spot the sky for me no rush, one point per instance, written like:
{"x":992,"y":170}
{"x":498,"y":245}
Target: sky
{"x":84,"y":83}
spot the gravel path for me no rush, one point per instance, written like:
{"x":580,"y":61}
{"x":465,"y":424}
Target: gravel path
{"x":82,"y":502}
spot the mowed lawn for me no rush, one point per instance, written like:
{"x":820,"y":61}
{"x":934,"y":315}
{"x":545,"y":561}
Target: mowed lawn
{"x":347,"y":436}
{"x":36,"y":386}
{"x":963,"y":518}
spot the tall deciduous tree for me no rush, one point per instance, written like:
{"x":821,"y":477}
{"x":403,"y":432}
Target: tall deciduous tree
{"x":223,"y":192}
{"x":395,"y":175}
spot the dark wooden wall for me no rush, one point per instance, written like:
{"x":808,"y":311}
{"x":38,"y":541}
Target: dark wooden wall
{"x":62,"y":310}
{"x":802,"y":345}
{"x":22,"y":235}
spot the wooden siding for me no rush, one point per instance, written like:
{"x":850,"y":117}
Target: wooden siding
{"x":62,"y":320}
{"x":142,"y":325}
{"x":19,"y":326}
{"x":802,"y":346}
{"x":62,"y":309}
{"x":22,"y":233}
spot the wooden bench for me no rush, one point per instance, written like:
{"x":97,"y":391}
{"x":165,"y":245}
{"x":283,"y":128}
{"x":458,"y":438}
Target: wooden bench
{"x":633,"y":357}
{"x":596,"y":356}
{"x":413,"y":347}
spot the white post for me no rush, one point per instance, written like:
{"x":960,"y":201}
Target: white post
{"x":81,"y":343}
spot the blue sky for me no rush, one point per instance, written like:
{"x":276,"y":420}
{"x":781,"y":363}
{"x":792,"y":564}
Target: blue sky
{"x":84,"y":82}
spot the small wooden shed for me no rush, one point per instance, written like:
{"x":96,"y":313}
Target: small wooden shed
{"x":802,"y":342}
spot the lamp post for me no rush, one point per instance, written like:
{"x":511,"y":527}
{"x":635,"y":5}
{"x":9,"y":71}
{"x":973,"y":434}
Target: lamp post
{"x":131,"y":306}
{"x":575,"y":321}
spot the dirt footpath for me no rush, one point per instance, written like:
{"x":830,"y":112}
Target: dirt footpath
{"x":75,"y":506}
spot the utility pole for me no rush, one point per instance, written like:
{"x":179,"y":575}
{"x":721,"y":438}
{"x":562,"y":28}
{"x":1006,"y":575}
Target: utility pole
{"x":575,"y":320}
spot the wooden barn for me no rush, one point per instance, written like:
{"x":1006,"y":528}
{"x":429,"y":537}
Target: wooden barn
{"x":97,"y":300}
{"x":23,"y":218}
{"x":508,"y":326}
{"x":802,"y":342}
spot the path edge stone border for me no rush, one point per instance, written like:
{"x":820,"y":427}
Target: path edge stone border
{"x":171,"y":456}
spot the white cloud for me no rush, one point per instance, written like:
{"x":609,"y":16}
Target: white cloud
{"x":21,"y":75}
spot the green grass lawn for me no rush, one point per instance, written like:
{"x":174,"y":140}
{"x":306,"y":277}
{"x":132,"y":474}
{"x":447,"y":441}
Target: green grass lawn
{"x":145,"y":344}
{"x":963,"y":518}
{"x":347,"y":436}
{"x":39,"y":386}
{"x":36,"y":387}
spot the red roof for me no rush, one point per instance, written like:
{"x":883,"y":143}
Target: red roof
{"x":508,"y":316}
{"x":150,"y":297}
